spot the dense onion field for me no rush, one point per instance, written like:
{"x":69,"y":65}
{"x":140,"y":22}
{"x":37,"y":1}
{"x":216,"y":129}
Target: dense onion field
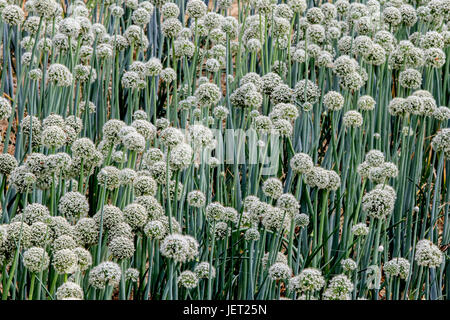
{"x":224,"y":150}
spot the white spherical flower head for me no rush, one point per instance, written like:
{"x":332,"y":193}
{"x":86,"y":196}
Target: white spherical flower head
{"x":434,"y":57}
{"x":274,"y":218}
{"x":428,"y":254}
{"x":193,"y":245}
{"x":188,"y":279}
{"x":144,"y":185}
{"x":170,"y":10}
{"x":318,"y":177}
{"x":184,"y":48}
{"x":70,"y":27}
{"x":65,"y":261}
{"x":153,"y":207}
{"x":69,"y":291}
{"x":13,"y":15}
{"x":441,"y":142}
{"x":132,"y":80}
{"x":353,"y":118}
{"x":171,"y":27}
{"x":208,"y":94}
{"x":200,"y":136}
{"x":212,"y":65}
{"x":279,"y":271}
{"x":109,"y":177}
{"x":154,"y":67}
{"x":353,"y":81}
{"x":366,"y":103}
{"x":122,"y":248}
{"x":298,"y":6}
{"x":145,"y":128}
{"x":135,"y":215}
{"x":397,"y":267}
{"x":301,"y":220}
{"x":35,"y":212}
{"x":168,"y":75}
{"x":196,"y":9}
{"x":252,"y":234}
{"x":110,"y":216}
{"x":410,"y":78}
{"x":73,"y":205}
{"x":155,"y":230}
{"x":176,"y":247}
{"x":64,"y":242}
{"x":307,"y":91}
{"x":204,"y":270}
{"x":262,"y":124}
{"x":314,"y":15}
{"x":375,"y":158}
{"x":309,"y":280}
{"x":196,"y":199}
{"x":107,"y":273}
{"x":442,"y":113}
{"x":84,"y":258}
{"x":36,"y":259}
{"x":152,"y":156}
{"x":134,"y":141}
{"x":273,"y":188}
{"x":339,"y":288}
{"x":378,"y":203}
{"x":301,"y":163}
{"x":7,"y":163}
{"x":141,"y":17}
{"x":334,"y":181}
{"x":171,"y":136}
{"x":288,"y":203}
{"x":360,"y":229}
{"x":215,"y":211}
{"x":283,"y":127}
{"x":333,"y":100}
{"x":45,"y":8}
{"x":348,"y":264}
{"x":180,"y":157}
{"x":5,"y":108}
{"x":60,"y":75}
{"x":392,"y":16}
{"x":132,"y":274}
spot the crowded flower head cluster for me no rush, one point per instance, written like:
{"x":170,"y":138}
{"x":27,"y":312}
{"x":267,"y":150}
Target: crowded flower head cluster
{"x":109,"y":184}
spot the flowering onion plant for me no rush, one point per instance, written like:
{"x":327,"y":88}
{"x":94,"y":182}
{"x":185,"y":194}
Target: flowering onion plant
{"x":193,"y":149}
